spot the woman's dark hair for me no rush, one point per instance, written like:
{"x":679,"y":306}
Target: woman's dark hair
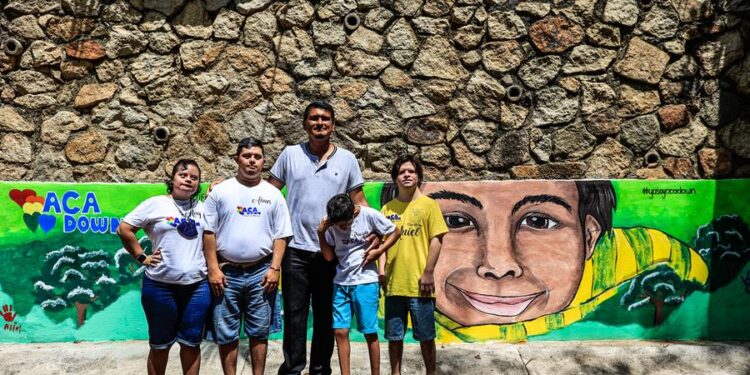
{"x":406,"y":159}
{"x":340,"y":208}
{"x":181,"y":165}
{"x":248,"y":143}
{"x":319,"y":104}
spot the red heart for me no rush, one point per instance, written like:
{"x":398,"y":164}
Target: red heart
{"x":19,"y":196}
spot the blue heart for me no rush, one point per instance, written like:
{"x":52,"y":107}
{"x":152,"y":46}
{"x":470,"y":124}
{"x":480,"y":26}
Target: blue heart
{"x":46,"y":222}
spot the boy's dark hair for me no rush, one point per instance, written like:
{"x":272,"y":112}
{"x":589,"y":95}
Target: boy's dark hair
{"x":248,"y":143}
{"x":181,"y":165}
{"x":319,"y":104}
{"x":595,"y":197}
{"x":340,"y":208}
{"x":407,"y":159}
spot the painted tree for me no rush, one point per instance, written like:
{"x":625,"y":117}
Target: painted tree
{"x":746,"y":281}
{"x":76,"y":277}
{"x":725,"y":245}
{"x":129,"y":269}
{"x":660,"y":287}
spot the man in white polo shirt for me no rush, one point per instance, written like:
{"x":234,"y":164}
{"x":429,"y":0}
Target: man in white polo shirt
{"x":313,"y":172}
{"x":247,"y":228}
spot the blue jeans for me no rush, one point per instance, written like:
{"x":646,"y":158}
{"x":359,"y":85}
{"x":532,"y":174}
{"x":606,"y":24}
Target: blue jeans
{"x":175,"y":312}
{"x":243,"y":299}
{"x":422,"y":311}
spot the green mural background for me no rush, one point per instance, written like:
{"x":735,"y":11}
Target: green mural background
{"x":712,"y":315}
{"x":34,"y":240}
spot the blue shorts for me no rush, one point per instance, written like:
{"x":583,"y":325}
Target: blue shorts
{"x":422,"y":311}
{"x":363,"y":299}
{"x":243,"y":299}
{"x":175,"y":312}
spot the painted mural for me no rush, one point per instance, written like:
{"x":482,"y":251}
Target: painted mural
{"x":524,"y":260}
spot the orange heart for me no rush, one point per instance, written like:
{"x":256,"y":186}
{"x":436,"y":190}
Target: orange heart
{"x":35,"y":199}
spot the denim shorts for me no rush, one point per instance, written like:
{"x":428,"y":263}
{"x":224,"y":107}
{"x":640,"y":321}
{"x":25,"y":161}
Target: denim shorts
{"x":175,"y":312}
{"x":243,"y":300}
{"x":363,"y":300}
{"x":422,"y":311}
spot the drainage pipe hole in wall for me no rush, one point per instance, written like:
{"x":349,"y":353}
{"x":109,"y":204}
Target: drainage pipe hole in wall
{"x":161,"y":134}
{"x":351,"y":21}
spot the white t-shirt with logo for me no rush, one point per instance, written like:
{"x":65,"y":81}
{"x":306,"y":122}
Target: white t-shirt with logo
{"x":350,"y":246}
{"x":246,"y":219}
{"x":182,"y":260}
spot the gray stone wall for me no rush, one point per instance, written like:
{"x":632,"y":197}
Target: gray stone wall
{"x":102,"y":90}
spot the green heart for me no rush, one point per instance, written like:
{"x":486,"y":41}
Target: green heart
{"x":32,"y":221}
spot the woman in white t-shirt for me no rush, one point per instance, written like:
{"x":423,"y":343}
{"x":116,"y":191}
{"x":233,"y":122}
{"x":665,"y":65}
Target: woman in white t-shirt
{"x":175,"y":293}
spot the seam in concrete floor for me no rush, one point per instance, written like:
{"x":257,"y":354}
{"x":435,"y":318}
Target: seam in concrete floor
{"x":523,"y":362}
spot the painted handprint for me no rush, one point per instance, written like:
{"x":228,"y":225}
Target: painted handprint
{"x":8,"y":313}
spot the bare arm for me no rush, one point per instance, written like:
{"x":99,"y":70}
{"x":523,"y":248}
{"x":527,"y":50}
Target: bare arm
{"x":216,"y":278}
{"x":215,"y":182}
{"x":132,"y":246}
{"x":358,"y":196}
{"x":427,"y":281}
{"x":325,"y":248}
{"x":379,"y":252}
{"x":271,"y":279}
{"x":391,"y":240}
{"x":273,"y":181}
{"x":381,"y":270}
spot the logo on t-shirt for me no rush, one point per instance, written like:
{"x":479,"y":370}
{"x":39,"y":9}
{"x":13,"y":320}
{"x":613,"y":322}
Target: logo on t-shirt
{"x":355,"y":237}
{"x":411,"y":230}
{"x":394,"y":217}
{"x":248,"y":211}
{"x":347,"y":241}
{"x":261,"y":200}
{"x":176,"y":221}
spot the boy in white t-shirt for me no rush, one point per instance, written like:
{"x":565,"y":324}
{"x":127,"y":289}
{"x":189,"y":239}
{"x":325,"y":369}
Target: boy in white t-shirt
{"x":247,"y":229}
{"x":355,"y":287}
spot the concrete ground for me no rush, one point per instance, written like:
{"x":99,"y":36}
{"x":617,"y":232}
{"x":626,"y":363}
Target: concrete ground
{"x":591,"y":357}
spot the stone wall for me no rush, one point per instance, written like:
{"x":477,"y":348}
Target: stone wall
{"x":102,"y":90}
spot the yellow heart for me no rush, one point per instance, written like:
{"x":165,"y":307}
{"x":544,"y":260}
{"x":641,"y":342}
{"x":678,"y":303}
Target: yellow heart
{"x":31,"y":207}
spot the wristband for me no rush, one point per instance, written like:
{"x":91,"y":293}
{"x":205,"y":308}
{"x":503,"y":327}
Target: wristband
{"x":275,"y":268}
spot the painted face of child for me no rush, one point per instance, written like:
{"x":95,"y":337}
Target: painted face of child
{"x":515,"y":250}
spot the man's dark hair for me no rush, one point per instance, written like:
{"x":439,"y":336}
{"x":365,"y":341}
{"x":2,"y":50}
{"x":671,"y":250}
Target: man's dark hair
{"x":319,"y":104}
{"x":596,"y":198}
{"x":407,"y":159}
{"x":340,"y":208}
{"x":248,"y":143}
{"x":181,"y":165}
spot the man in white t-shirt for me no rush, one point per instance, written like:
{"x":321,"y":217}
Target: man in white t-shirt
{"x":247,"y":229}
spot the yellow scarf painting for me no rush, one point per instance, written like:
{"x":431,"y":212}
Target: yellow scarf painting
{"x":619,"y":257}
